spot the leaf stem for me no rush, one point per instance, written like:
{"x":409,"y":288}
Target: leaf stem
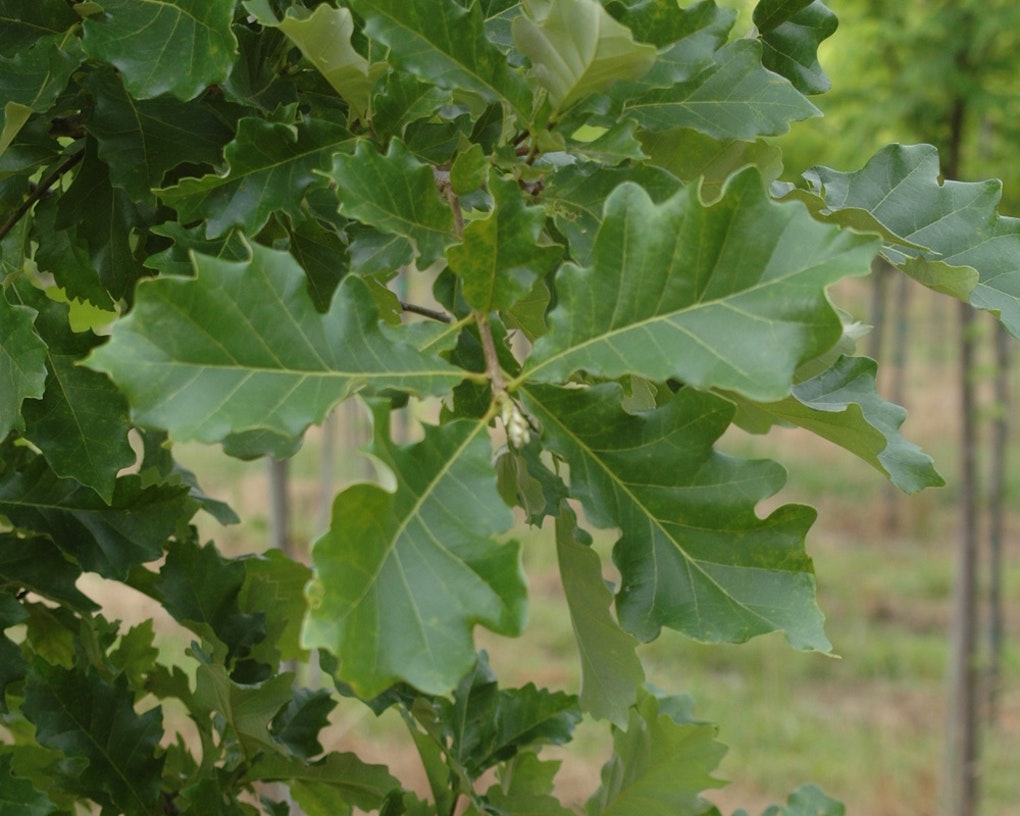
{"x":41,"y":189}
{"x":491,"y":357}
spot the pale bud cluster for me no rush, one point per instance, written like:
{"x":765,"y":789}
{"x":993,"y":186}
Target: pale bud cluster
{"x":518,"y":431}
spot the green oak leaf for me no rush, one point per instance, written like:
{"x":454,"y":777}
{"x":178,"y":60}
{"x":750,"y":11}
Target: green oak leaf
{"x":259,"y":76}
{"x":240,"y":348}
{"x":500,"y":258}
{"x":324,"y":37}
{"x":323,"y":256}
{"x":702,"y":27}
{"x":405,"y":99}
{"x":355,"y":782}
{"x":611,"y":671}
{"x":660,"y":765}
{"x":489,"y":725}
{"x":141,"y":140}
{"x":38,"y":565}
{"x":577,"y":49}
{"x":32,"y":80}
{"x":274,"y":584}
{"x":79,"y":713}
{"x":176,"y":258}
{"x":842,"y":405}
{"x":297,"y":725}
{"x":527,"y":788}
{"x":13,"y":666}
{"x":957,"y":221}
{"x":808,"y":800}
{"x":382,"y":599}
{"x":198,"y":586}
{"x":178,"y":47}
{"x":733,"y":97}
{"x":692,"y":156}
{"x":22,"y":363}
{"x":81,"y":423}
{"x":575,"y":195}
{"x":106,"y":538}
{"x":396,"y":194}
{"x":692,"y":555}
{"x":610,"y":148}
{"x":271,"y":166}
{"x":247,"y":709}
{"x":790,"y":31}
{"x":729,"y":295}
{"x":24,"y":24}
{"x":18,"y":797}
{"x":443,"y":43}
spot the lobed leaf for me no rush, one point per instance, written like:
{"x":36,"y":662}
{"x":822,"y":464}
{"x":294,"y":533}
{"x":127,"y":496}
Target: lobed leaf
{"x":443,"y":43}
{"x":577,"y":49}
{"x":692,"y":554}
{"x":791,"y":31}
{"x":729,"y":295}
{"x":22,"y":363}
{"x":400,"y":578}
{"x":178,"y":47}
{"x":240,"y":349}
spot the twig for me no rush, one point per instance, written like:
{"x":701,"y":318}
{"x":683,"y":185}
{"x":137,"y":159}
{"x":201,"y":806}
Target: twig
{"x":39,"y":192}
{"x":424,"y":311}
{"x":492,"y":367}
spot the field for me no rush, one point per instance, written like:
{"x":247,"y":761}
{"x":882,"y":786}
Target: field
{"x":866,"y":727}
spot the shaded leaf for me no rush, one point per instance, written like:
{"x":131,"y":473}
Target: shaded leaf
{"x":22,"y":363}
{"x":164,"y":46}
{"x":271,"y":166}
{"x":842,"y":405}
{"x":241,"y":348}
{"x":405,"y":99}
{"x":610,"y":668}
{"x":526,"y":789}
{"x":730,"y":295}
{"x":396,"y":194}
{"x":23,"y":24}
{"x":77,"y":712}
{"x":443,"y":43}
{"x":18,"y":797}
{"x":356,"y":782}
{"x":734,"y":97}
{"x":297,"y":725}
{"x":393,"y":597}
{"x":500,"y":257}
{"x":658,"y":767}
{"x":808,"y":800}
{"x":274,"y":584}
{"x":692,"y":555}
{"x":323,"y":256}
{"x":140,"y":140}
{"x":577,"y":49}
{"x":108,"y":539}
{"x":957,"y":221}
{"x":791,"y":31}
{"x":36,"y":564}
{"x":176,"y":258}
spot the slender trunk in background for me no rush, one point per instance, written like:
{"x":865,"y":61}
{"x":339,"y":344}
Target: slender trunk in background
{"x":996,"y":517}
{"x":879,"y":279}
{"x":962,"y":743}
{"x":279,"y":505}
{"x":897,"y":391}
{"x":327,"y":470}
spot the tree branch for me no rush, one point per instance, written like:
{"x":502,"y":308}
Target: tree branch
{"x":433,"y":314}
{"x":40,"y":190}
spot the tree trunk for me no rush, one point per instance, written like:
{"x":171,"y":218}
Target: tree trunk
{"x":996,"y":517}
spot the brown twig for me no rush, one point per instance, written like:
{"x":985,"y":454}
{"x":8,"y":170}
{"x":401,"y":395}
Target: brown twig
{"x":424,"y":311}
{"x":41,"y":190}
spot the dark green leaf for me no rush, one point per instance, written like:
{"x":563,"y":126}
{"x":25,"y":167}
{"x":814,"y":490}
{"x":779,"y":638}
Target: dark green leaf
{"x":22,"y":363}
{"x":441,"y":42}
{"x":323,"y":256}
{"x":357,"y":783}
{"x":164,"y":46}
{"x":610,"y":668}
{"x":500,"y":257}
{"x":403,"y":100}
{"x":791,"y":31}
{"x":23,"y":24}
{"x":527,"y":789}
{"x":176,"y":259}
{"x":271,"y":166}
{"x":140,"y":140}
{"x":393,"y":597}
{"x":396,"y":194}
{"x":274,"y":585}
{"x":730,"y":295}
{"x":693,"y":555}
{"x":241,"y":348}
{"x":77,"y":712}
{"x":18,"y":797}
{"x":659,"y":766}
{"x":66,"y":256}
{"x":36,"y":564}
{"x":808,"y":800}
{"x":101,"y":538}
{"x":297,"y":726}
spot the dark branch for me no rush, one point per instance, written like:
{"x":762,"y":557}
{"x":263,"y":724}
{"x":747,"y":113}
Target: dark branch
{"x":434,"y":314}
{"x":41,"y":190}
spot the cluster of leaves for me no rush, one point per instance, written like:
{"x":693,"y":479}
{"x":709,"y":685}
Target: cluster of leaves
{"x":232,"y":187}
